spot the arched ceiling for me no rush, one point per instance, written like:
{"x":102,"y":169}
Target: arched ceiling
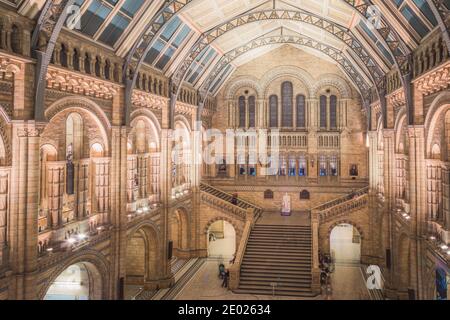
{"x":185,"y":39}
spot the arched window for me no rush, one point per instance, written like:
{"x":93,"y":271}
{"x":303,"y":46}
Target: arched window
{"x":63,"y":56}
{"x":74,"y":143}
{"x":108,"y":71}
{"x":301,"y":111}
{"x":287,"y":96}
{"x":76,"y":60}
{"x":323,"y":111}
{"x":242,"y":113}
{"x":333,"y":112}
{"x":97,"y":66}
{"x":87,"y":63}
{"x":252,"y":111}
{"x":273,"y":105}
{"x":15,"y":39}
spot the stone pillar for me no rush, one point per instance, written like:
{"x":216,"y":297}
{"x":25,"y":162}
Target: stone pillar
{"x":389,"y":167}
{"x":373,"y":160}
{"x":4,"y":192}
{"x":417,"y":185}
{"x":118,"y":211}
{"x":23,"y":223}
{"x":167,"y":278}
{"x":83,"y":188}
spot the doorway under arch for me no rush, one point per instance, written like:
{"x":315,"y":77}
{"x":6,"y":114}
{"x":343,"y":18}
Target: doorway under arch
{"x":80,"y":281}
{"x":345,"y":244}
{"x":221,"y":240}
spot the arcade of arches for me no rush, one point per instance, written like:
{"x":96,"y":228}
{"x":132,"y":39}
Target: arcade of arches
{"x":107,"y":188}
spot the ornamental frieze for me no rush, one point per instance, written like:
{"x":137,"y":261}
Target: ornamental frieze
{"x":71,"y":82}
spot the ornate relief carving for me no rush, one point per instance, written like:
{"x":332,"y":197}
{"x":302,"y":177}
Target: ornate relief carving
{"x":149,"y":100}
{"x":397,"y":98}
{"x":9,"y":67}
{"x":67,"y":81}
{"x":435,"y":80}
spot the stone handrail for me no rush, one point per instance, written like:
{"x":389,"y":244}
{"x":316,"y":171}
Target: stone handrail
{"x":51,"y":259}
{"x":333,"y":203}
{"x":315,"y":267}
{"x":224,"y":205}
{"x":344,"y":208}
{"x":241,"y":203}
{"x":235,"y":269}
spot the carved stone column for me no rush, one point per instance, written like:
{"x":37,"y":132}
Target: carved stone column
{"x":417,"y":193}
{"x":132,"y":187}
{"x":55,"y":192}
{"x":166,"y":195}
{"x":4,"y":192}
{"x":23,"y":222}
{"x":83,"y":188}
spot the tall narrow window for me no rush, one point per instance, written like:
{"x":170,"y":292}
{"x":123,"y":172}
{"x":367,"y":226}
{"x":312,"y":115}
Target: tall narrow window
{"x":242,"y":112}
{"x":333,"y":112}
{"x":287,"y":96}
{"x":323,"y":166}
{"x":273,"y":111}
{"x":323,"y":111}
{"x":301,"y":111}
{"x":302,"y":166}
{"x":74,"y":134}
{"x":252,"y":111}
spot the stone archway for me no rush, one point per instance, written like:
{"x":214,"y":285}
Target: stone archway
{"x":180,"y":233}
{"x":142,"y":256}
{"x":221,"y":239}
{"x":345,"y":244}
{"x":79,"y":281}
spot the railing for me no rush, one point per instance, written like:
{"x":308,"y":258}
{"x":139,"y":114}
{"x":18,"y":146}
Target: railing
{"x":55,"y":257}
{"x":333,"y":203}
{"x":223,"y":205}
{"x":228,"y":198}
{"x":320,"y":214}
{"x":235,"y":269}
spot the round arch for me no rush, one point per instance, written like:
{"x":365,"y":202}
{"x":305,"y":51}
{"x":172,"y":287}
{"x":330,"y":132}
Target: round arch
{"x":243,"y":81}
{"x":287,"y":71}
{"x":335,"y":81}
{"x":440,"y":106}
{"x":345,"y":245}
{"x":80,"y":103}
{"x":97,"y":268}
{"x":150,"y":119}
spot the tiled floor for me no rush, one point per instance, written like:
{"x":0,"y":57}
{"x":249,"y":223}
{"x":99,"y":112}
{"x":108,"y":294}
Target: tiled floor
{"x":347,"y":284}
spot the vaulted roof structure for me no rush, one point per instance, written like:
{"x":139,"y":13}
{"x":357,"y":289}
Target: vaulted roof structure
{"x":201,"y":42}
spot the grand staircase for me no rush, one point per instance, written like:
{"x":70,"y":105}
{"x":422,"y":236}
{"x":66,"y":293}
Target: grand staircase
{"x":277,"y":261}
{"x":228,"y":197}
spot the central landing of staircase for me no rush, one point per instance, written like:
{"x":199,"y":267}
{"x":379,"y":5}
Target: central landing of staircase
{"x":278,"y":261}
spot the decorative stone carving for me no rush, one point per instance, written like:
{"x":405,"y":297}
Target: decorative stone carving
{"x":67,"y":81}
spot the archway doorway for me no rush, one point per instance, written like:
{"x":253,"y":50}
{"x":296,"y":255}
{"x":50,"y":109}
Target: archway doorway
{"x":142,"y":258}
{"x":179,"y":230}
{"x":345,"y":244}
{"x":80,"y":281}
{"x":221,"y":239}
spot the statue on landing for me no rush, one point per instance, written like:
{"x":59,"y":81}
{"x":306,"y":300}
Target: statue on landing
{"x":286,"y":209}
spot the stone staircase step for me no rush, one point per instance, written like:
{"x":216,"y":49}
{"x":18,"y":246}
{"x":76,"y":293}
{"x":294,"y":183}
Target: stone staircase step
{"x":267,"y":266}
{"x":304,"y":293}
